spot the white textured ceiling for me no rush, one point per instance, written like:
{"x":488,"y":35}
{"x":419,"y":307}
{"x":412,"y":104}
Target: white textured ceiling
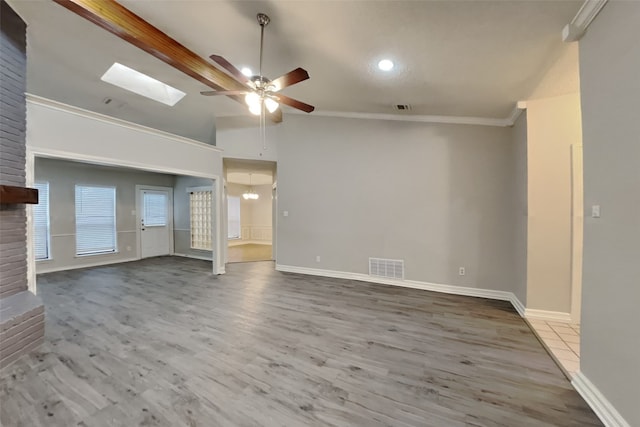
{"x":455,"y":58}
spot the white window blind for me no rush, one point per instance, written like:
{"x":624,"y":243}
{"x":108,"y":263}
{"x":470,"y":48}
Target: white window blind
{"x":155,"y":209}
{"x":233,"y":217}
{"x":95,"y":220}
{"x":200,"y":212}
{"x":40,"y":212}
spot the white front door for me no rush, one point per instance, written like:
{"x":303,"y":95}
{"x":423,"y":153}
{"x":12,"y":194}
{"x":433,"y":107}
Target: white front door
{"x":155,"y":206}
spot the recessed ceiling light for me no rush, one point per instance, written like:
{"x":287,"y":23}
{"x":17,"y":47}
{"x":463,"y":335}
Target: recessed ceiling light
{"x":385,"y":65}
{"x":137,"y":82}
{"x":247,"y":71}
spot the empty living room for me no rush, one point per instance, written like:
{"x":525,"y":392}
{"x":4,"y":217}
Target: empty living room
{"x":319,"y":213}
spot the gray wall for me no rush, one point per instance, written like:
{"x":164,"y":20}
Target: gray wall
{"x":520,"y":210}
{"x":181,"y":216}
{"x":609,"y":67}
{"x":437,"y":196}
{"x":13,"y":220}
{"x":62,"y":177}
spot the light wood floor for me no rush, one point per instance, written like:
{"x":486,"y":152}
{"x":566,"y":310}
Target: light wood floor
{"x":162,"y":342}
{"x":249,"y":252}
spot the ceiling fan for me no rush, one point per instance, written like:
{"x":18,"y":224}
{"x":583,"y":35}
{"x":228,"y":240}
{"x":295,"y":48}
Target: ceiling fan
{"x":260,"y":92}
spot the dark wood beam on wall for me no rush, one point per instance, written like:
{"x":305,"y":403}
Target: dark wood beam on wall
{"x":119,"y":20}
{"x":12,"y":195}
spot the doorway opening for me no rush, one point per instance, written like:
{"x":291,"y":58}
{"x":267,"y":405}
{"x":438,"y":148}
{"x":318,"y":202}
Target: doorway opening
{"x":249,"y":197}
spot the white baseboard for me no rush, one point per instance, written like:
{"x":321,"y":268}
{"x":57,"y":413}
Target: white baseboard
{"x":436,"y":287}
{"x":517,"y":304}
{"x":550,"y":316}
{"x":248,"y":242}
{"x":607,"y":413}
{"x":204,"y":258}
{"x":93,"y":264}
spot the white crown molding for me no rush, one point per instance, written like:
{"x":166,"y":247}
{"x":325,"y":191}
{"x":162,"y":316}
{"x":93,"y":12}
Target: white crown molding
{"x":515,"y":113}
{"x":458,"y":120}
{"x":55,"y":105}
{"x":574,"y":30}
{"x":550,"y":316}
{"x":607,"y":413}
{"x":425,"y":286}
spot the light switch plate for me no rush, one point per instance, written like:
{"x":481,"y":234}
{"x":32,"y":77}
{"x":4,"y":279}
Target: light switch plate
{"x":595,"y":211}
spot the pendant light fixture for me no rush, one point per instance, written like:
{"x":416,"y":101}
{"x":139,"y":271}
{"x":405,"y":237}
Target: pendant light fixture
{"x":250,"y":195}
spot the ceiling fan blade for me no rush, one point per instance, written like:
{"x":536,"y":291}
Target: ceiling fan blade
{"x":276,"y":116}
{"x":289,"y":79}
{"x":294,"y":103}
{"x":223,"y":92}
{"x":230,"y":68}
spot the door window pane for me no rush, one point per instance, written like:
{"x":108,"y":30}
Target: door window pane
{"x":155,"y":209}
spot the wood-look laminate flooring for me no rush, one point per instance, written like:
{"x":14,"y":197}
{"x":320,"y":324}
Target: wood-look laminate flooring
{"x":163,"y":342}
{"x":249,"y":252}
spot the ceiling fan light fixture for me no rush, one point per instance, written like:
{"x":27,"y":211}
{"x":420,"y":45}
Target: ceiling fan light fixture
{"x":271,"y":104}
{"x":255,"y":109}
{"x":253,"y":101}
{"x":247,"y":71}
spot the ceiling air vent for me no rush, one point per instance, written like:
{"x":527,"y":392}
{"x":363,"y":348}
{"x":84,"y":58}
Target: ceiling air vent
{"x":389,"y":268}
{"x":402,"y":107}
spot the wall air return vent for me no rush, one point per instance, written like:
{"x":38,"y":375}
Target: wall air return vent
{"x":389,"y":268}
{"x":402,"y":107}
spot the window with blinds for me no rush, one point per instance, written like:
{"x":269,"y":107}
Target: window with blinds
{"x":233,"y":217}
{"x":95,"y":220}
{"x":41,"y":235}
{"x":200,"y":213}
{"x":155,"y":209}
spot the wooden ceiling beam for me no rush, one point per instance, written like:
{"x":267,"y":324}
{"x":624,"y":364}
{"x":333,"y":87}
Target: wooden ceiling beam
{"x":117,"y":19}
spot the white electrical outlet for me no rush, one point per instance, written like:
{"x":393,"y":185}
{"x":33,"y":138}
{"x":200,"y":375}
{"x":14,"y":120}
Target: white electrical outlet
{"x":462,"y":271}
{"x":317,"y":258}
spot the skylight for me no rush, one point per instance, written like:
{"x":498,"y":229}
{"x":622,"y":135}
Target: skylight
{"x":136,"y":82}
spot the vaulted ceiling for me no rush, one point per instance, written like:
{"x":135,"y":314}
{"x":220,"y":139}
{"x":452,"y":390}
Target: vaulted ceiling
{"x":453,"y":58}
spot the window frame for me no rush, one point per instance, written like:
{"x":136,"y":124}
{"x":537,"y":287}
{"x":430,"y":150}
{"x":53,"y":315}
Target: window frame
{"x":193,"y":234}
{"x":115,"y":221}
{"x":239,"y":235}
{"x":35,"y":223}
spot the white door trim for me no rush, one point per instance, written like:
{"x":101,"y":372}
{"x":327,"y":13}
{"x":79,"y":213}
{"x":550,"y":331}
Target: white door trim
{"x":577,"y":230}
{"x":139,"y":189}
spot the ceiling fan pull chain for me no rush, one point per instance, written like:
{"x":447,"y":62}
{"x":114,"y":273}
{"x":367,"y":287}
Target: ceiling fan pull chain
{"x":263,"y":127}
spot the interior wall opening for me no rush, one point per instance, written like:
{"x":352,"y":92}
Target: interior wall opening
{"x":249,"y":204}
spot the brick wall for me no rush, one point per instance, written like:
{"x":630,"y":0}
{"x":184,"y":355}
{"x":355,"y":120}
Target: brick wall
{"x":21,"y":312}
{"x":13,"y":227}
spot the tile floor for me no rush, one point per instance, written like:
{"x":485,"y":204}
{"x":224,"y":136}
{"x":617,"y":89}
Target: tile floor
{"x":563,"y":341}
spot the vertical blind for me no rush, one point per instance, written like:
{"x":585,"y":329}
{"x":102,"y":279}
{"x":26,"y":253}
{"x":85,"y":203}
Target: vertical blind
{"x":200,"y":213}
{"x":41,"y":222}
{"x":233,"y":217}
{"x":95,"y":220}
{"x":155,"y":209}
